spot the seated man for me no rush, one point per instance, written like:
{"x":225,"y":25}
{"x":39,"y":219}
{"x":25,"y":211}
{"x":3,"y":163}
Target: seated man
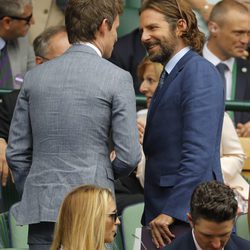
{"x":213,"y":210}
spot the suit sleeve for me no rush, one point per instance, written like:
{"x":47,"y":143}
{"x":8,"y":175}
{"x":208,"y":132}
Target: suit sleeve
{"x":124,"y":128}
{"x":202,"y":109}
{"x":19,"y":150}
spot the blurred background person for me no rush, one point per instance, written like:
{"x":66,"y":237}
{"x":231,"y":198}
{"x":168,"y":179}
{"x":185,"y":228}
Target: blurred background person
{"x":46,"y":13}
{"x":229,"y":28}
{"x":16,"y":54}
{"x":51,"y":43}
{"x":87,"y":220}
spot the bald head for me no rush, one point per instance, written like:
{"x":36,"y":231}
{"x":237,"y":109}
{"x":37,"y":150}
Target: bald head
{"x":51,"y":43}
{"x":222,"y":11}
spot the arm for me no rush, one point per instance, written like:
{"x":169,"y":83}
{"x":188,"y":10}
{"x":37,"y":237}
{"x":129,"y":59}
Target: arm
{"x":19,"y":149}
{"x":6,"y":112}
{"x":233,"y":156}
{"x":243,"y":130}
{"x":124,"y":129}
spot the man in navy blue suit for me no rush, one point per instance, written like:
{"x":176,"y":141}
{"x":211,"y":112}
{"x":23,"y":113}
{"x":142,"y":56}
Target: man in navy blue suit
{"x":213,"y":210}
{"x":183,"y":131}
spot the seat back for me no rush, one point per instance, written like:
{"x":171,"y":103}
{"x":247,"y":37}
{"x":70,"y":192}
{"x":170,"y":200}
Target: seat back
{"x":242,"y":229}
{"x":4,"y":230}
{"x":131,"y":219}
{"x":117,"y":244}
{"x":245,"y":143}
{"x":18,"y":234}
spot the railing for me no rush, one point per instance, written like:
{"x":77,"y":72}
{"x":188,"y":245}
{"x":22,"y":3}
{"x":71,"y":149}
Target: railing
{"x":229,"y":105}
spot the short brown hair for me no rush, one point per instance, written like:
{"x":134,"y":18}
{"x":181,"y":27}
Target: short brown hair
{"x":174,"y":10}
{"x":84,"y":17}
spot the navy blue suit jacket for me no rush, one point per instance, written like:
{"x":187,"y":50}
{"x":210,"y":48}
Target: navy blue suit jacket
{"x":182,"y":137}
{"x":186,"y":242}
{"x":242,"y":88}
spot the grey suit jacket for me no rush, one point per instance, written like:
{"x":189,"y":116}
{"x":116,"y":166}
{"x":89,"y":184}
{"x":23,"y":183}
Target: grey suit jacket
{"x":21,"y":55}
{"x":60,"y":130}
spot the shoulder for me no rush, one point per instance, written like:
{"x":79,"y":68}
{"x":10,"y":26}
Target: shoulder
{"x":183,"y":242}
{"x":240,"y":243}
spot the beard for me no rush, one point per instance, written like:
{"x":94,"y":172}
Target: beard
{"x":165,"y":52}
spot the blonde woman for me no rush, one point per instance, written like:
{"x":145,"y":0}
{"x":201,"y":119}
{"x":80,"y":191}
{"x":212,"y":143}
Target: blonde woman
{"x":87,"y":220}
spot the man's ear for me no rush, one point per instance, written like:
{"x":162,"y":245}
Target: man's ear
{"x":181,"y":26}
{"x":213,"y":28}
{"x":104,"y":26}
{"x":39,"y":60}
{"x":6,"y":22}
{"x":190,"y":220}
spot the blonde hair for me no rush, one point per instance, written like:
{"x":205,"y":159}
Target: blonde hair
{"x":82,"y":219}
{"x":146,"y":62}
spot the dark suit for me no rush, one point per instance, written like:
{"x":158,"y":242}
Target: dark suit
{"x":182,"y":137}
{"x":128,"y":53}
{"x":6,"y":112}
{"x":242,"y":88}
{"x":186,"y":242}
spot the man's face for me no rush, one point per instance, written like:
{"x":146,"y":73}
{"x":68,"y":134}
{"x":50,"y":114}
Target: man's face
{"x":212,"y":235}
{"x":157,"y":36}
{"x":232,"y":35}
{"x":19,"y":28}
{"x":111,"y":38}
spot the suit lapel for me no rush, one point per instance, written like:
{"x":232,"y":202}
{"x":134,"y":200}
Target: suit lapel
{"x":167,"y":82}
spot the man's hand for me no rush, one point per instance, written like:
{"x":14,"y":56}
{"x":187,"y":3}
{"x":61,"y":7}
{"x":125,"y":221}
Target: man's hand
{"x":243,"y":130}
{"x":160,"y":230}
{"x":4,"y":169}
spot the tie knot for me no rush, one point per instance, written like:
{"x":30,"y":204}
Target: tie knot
{"x":222,"y":68}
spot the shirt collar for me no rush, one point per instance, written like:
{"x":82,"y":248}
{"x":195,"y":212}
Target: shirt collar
{"x":215,"y":60}
{"x":91,"y":45}
{"x":2,"y":43}
{"x":175,"y":59}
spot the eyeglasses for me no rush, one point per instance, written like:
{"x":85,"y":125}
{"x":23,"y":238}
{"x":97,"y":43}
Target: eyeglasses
{"x":114,"y":216}
{"x":26,"y":19}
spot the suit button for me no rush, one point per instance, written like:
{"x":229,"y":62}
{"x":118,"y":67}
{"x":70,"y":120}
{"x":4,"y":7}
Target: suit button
{"x":146,"y":157}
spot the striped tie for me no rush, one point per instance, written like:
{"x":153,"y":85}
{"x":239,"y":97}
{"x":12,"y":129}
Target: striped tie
{"x":6,"y":79}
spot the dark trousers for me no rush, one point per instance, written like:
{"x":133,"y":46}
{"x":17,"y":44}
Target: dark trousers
{"x":40,"y":235}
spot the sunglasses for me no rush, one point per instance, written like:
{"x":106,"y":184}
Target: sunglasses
{"x":26,"y":19}
{"x":114,"y":216}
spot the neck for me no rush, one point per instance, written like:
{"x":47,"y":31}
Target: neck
{"x":216,"y":51}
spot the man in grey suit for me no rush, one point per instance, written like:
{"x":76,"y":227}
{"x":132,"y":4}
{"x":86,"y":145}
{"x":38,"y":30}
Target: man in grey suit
{"x":65,"y":113}
{"x":15,"y":21}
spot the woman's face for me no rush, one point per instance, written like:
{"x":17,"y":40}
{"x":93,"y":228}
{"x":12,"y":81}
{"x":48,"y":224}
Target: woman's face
{"x":111,"y":222}
{"x":149,"y":83}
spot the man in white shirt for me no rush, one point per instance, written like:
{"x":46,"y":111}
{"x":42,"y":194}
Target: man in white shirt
{"x":229,"y":27}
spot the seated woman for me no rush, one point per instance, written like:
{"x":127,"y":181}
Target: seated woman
{"x":232,"y":155}
{"x":87,"y":220}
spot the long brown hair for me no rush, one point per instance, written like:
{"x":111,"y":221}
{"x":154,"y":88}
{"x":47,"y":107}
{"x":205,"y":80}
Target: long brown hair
{"x":174,"y":10}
